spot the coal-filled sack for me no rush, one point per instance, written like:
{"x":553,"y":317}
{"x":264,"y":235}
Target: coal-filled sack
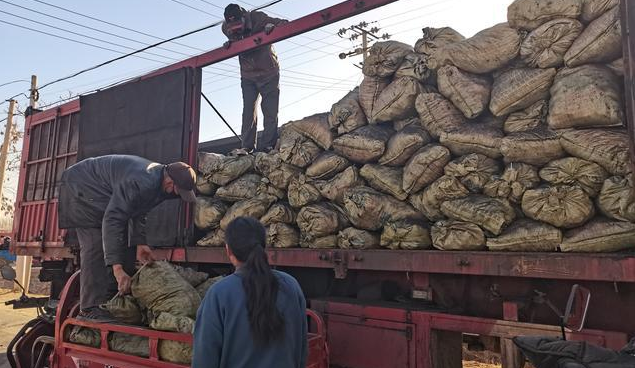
{"x":592,"y":9}
{"x":530,"y":14}
{"x":125,"y":309}
{"x":403,"y":145}
{"x":220,"y":169}
{"x":396,"y":101}
{"x":479,"y":138}
{"x":335,"y":188}
{"x":208,"y":212}
{"x":302,"y":192}
{"x":601,"y":41}
{"x":608,"y":148}
{"x":190,"y":275}
{"x":575,"y":171}
{"x":519,"y":88}
{"x":204,"y":186}
{"x":364,"y":145}
{"x":546,"y":45}
{"x":315,"y":127}
{"x":352,"y":238}
{"x":457,"y":235}
{"x":526,"y":235}
{"x":327,"y":165}
{"x":215,"y":238}
{"x":385,"y":179}
{"x":202,"y":288}
{"x":347,"y":115}
{"x":562,"y":206}
{"x":473,"y":170}
{"x":384,"y":58}
{"x":516,"y":179}
{"x":254,"y":207}
{"x":242,"y":188}
{"x":369,"y":91}
{"x":583,"y":97}
{"x":535,"y":147}
{"x":281,"y":235}
{"x":617,"y":198}
{"x":437,"y":114}
{"x":434,"y":38}
{"x":369,"y":209}
{"x":405,"y":234}
{"x":424,"y":167}
{"x":492,"y":214}
{"x":277,"y":171}
{"x":530,"y":118}
{"x":322,"y":219}
{"x":278,"y":213}
{"x":414,"y":66}
{"x":296,"y":149}
{"x":430,"y":199}
{"x":600,"y":235}
{"x":324,"y":242}
{"x":470,"y":93}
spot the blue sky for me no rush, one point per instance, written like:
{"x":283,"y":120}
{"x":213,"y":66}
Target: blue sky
{"x":312,"y":75}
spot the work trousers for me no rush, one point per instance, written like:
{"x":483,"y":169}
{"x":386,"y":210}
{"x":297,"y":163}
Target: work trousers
{"x":269,"y":89}
{"x":97,"y":282}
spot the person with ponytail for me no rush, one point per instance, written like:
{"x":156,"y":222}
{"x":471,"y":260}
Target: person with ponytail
{"x":254,"y":318}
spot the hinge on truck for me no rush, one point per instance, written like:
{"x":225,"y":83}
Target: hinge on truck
{"x":340,"y":263}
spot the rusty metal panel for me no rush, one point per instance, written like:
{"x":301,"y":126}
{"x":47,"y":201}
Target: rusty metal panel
{"x":628,"y":42}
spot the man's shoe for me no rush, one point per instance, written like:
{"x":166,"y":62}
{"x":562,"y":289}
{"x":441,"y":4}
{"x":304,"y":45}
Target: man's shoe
{"x":239,"y":152}
{"x":96,"y":315}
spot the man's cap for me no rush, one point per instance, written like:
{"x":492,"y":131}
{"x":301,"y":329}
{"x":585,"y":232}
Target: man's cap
{"x":184,"y":178}
{"x":234,"y":11}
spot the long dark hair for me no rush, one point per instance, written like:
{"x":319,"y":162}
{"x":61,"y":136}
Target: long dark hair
{"x":246,"y":238}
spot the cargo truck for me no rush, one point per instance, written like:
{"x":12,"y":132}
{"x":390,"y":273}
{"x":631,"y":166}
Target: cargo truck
{"x":486,"y":298}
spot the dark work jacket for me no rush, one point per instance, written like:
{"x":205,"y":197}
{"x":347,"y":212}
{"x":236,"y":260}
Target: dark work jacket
{"x":261,"y":61}
{"x":108,"y":192}
{"x":222,"y":334}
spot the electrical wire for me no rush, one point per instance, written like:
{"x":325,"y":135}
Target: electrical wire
{"x":15,"y":81}
{"x":195,"y":8}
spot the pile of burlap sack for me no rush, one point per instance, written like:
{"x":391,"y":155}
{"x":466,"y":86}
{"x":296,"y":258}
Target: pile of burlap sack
{"x":164,"y":297}
{"x":511,"y":140}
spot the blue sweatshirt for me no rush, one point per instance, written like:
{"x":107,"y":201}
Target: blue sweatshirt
{"x":222,"y":335}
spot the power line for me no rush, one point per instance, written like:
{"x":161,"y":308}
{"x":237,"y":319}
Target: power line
{"x":195,"y":8}
{"x":15,"y":81}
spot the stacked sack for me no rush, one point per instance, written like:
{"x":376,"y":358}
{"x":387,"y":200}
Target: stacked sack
{"x":510,"y":140}
{"x":164,"y":297}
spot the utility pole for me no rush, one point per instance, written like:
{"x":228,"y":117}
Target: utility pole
{"x":23,"y":263}
{"x":367,"y":35}
{"x":4,"y":152}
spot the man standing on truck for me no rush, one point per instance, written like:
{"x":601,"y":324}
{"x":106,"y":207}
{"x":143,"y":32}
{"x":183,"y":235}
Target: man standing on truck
{"x":260,"y":76}
{"x":106,"y":200}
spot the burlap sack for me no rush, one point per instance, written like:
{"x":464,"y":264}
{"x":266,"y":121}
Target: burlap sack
{"x":473,"y":170}
{"x":364,"y":145}
{"x":600,"y":42}
{"x":254,"y":207}
{"x":424,"y":167}
{"x":385,"y":179}
{"x":546,"y":45}
{"x":159,"y":288}
{"x":281,"y":235}
{"x":327,"y":165}
{"x":617,"y":67}
{"x":482,"y":53}
{"x":173,"y":351}
{"x":516,"y":179}
{"x":302,"y":192}
{"x":561,"y":206}
{"x":324,"y":242}
{"x":277,"y":171}
{"x":322,"y":219}
{"x":588,"y":96}
{"x":297,"y":150}
{"x":600,"y":235}
{"x":530,"y":118}
{"x":405,"y":234}
{"x":592,"y":9}
{"x":575,"y":171}
{"x":608,"y":148}
{"x":414,"y":66}
{"x":479,"y":138}
{"x":278,"y":213}
{"x":215,"y":238}
{"x":396,"y":101}
{"x":315,"y":127}
{"x":125,"y":309}
{"x":129,"y":344}
{"x":519,"y":88}
{"x":530,"y":14}
{"x":205,"y":187}
{"x":190,"y":275}
{"x":468,"y":92}
{"x":240,"y":189}
{"x":400,"y":125}
{"x":369,"y":91}
{"x":403,"y":145}
{"x":220,"y":169}
{"x":84,"y":336}
{"x":335,"y":188}
{"x":352,"y":238}
{"x":208,"y":212}
{"x":384,"y":58}
{"x":617,"y":198}
{"x":443,"y":189}
{"x":527,"y":235}
{"x":369,"y":209}
{"x":492,"y":214}
{"x":438,"y":114}
{"x":347,"y":115}
{"x":434,"y":38}
{"x":457,"y":235}
{"x":206,"y":285}
{"x":535,"y":147}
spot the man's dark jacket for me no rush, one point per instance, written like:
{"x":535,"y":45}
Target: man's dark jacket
{"x":107,"y":192}
{"x":262,"y":61}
